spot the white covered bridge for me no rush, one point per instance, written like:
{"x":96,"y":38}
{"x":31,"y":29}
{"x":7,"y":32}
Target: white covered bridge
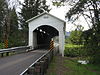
{"x":45,"y":27}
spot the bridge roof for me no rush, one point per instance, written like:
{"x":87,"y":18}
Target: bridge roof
{"x":44,"y":14}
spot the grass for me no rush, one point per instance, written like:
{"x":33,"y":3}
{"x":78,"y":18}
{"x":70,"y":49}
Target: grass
{"x":71,"y":67}
{"x":78,"y":69}
{"x":52,"y":67}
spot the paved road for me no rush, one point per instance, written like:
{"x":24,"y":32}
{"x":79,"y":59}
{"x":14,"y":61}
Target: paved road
{"x":14,"y":65}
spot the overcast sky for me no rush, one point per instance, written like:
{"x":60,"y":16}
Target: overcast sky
{"x":61,"y":12}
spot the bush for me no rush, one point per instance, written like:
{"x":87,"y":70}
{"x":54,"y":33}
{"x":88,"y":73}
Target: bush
{"x":15,"y":43}
{"x":2,"y":45}
{"x":94,"y":54}
{"x":75,"y":51}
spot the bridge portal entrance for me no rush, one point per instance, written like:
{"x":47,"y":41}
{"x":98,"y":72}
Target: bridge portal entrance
{"x":45,"y":27}
{"x":43,"y":35}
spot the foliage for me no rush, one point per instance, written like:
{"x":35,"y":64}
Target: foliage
{"x":1,"y":45}
{"x":75,"y":51}
{"x":90,"y":10}
{"x":13,"y":40}
{"x":93,"y":53}
{"x":73,"y":46}
{"x":9,"y":24}
{"x":13,"y":22}
{"x":11,"y":27}
{"x":1,"y":9}
{"x":81,"y":51}
{"x":2,"y":4}
{"x":75,"y":37}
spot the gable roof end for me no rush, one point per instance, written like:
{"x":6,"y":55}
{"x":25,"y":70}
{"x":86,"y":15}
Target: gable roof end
{"x":43,"y":14}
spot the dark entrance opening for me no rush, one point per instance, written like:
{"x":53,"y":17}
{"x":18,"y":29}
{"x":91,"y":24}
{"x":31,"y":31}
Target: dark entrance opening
{"x":44,"y":35}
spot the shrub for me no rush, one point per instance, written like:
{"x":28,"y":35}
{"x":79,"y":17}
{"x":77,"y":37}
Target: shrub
{"x":75,"y":51}
{"x":94,"y":54}
{"x":1,"y":45}
{"x":15,"y":43}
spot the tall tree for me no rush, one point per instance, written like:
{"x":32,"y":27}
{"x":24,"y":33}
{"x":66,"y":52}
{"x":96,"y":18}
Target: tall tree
{"x":90,"y":10}
{"x":9,"y":23}
{"x":93,"y":9}
{"x":31,"y":8}
{"x":5,"y":20}
{"x":13,"y":39}
{"x":2,"y":4}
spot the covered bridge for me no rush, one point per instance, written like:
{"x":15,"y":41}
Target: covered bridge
{"x":45,"y":27}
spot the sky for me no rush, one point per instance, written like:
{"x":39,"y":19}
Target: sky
{"x":60,"y":12}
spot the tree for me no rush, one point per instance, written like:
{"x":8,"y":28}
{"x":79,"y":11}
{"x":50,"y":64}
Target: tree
{"x":13,"y":22}
{"x":90,"y":10}
{"x":9,"y":22}
{"x":93,"y":8}
{"x":80,"y":7}
{"x":5,"y":22}
{"x":1,"y":18}
{"x":31,"y":8}
{"x":76,"y":36}
{"x":13,"y":39}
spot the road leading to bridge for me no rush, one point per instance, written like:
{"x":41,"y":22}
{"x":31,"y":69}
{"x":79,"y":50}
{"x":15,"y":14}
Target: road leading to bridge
{"x":14,"y":65}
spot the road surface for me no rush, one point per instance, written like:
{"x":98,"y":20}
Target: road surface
{"x":16,"y":64}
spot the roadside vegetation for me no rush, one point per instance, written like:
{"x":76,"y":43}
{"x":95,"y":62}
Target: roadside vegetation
{"x":70,"y":66}
{"x":1,"y":45}
{"x":90,"y":11}
{"x":76,"y":49}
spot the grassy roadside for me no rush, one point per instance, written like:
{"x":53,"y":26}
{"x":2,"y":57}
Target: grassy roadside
{"x":69,"y":66}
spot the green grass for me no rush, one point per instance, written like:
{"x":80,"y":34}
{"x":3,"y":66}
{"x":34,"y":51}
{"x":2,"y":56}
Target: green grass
{"x":74,"y":68}
{"x":78,"y":69}
{"x":52,"y":66}
{"x":95,"y":68}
